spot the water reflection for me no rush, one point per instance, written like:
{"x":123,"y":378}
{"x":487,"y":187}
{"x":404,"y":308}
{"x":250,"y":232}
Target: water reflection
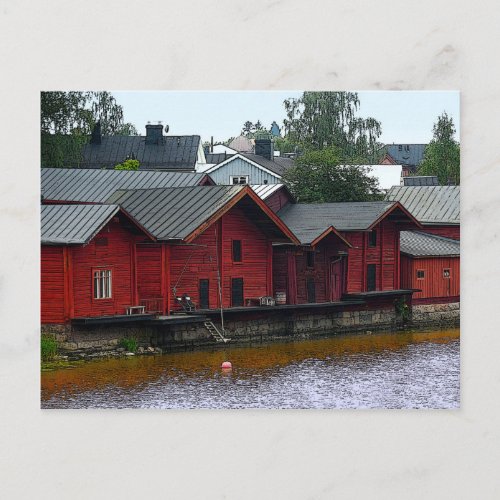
{"x":403,"y":370}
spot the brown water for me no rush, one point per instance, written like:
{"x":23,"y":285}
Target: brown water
{"x":396,"y":370}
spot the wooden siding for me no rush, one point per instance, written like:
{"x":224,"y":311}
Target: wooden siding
{"x":52,"y":282}
{"x":190,"y":263}
{"x":238,"y":166}
{"x":117,"y":256}
{"x":445,"y":231}
{"x":149,"y":271}
{"x":385,"y":256}
{"x":278,"y":200}
{"x":433,"y":285}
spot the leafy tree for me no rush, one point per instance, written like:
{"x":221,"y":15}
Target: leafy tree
{"x":128,"y":165}
{"x":320,"y":120}
{"x":320,"y":176}
{"x":67,"y":120}
{"x":442,"y":155}
{"x":247,"y":128}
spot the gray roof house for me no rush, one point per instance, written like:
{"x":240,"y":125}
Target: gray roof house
{"x":154,"y":151}
{"x":408,"y":155}
{"x":418,"y":244}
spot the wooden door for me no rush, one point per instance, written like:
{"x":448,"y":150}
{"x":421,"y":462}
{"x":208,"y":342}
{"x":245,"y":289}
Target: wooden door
{"x":311,"y":291}
{"x":336,"y":280}
{"x":371,"y":277}
{"x":236,"y":292}
{"x":204,"y":293}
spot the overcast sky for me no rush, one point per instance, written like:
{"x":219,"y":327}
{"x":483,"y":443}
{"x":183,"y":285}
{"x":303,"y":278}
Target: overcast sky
{"x":406,"y":116}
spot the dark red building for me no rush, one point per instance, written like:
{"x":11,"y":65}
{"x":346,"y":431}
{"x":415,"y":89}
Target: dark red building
{"x":347,"y":249}
{"x":431,"y":264}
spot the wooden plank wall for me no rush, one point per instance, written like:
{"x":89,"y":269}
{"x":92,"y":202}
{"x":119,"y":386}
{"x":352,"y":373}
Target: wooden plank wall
{"x":52,"y":284}
{"x":445,"y":231}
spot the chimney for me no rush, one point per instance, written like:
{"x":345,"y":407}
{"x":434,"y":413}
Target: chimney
{"x":95,"y":138}
{"x":154,"y":133}
{"x":264,"y":145}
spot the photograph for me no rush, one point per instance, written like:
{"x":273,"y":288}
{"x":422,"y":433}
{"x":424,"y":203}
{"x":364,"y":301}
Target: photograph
{"x":250,"y":249}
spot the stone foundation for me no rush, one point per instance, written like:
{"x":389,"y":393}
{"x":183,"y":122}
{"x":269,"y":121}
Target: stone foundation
{"x":436,"y":314}
{"x":250,"y":326}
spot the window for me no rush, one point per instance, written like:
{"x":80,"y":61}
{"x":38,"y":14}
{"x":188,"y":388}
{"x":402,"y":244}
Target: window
{"x":310,"y":258}
{"x":446,"y":273}
{"x":237,"y":251}
{"x":238,"y":179}
{"x":372,"y":239}
{"x":420,"y":274}
{"x":102,"y":284}
{"x":400,"y":147}
{"x":407,"y":148}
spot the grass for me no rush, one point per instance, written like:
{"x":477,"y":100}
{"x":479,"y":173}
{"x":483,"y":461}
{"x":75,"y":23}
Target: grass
{"x":129,"y":344}
{"x":48,"y":345}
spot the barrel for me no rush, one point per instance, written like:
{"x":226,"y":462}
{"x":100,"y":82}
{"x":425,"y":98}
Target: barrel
{"x":280,"y":298}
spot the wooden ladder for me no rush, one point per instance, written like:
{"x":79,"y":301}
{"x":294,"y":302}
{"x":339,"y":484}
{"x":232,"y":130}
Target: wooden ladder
{"x":216,"y":334}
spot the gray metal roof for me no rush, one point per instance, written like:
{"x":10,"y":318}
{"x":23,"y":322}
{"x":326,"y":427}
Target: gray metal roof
{"x":407,"y":154}
{"x":420,"y":180}
{"x":266,"y":190}
{"x":92,"y":185}
{"x":279,"y":165}
{"x":173,"y":152}
{"x":308,"y":221}
{"x":73,"y":224}
{"x":429,"y":204}
{"x":174,"y":213}
{"x":418,"y":244}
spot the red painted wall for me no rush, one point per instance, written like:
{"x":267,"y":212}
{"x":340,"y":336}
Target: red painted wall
{"x":278,"y":200}
{"x":445,"y":231}
{"x":116,"y":255}
{"x":52,"y":284}
{"x":149,"y":271}
{"x":190,"y":263}
{"x":433,"y":285}
{"x":385,"y":256}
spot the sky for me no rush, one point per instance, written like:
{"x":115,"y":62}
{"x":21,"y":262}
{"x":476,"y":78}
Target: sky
{"x":406,"y":116}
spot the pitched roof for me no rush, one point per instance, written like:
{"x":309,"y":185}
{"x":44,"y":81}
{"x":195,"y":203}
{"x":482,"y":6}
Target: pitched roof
{"x":173,"y":152}
{"x":418,"y":244}
{"x":215,"y":158}
{"x":91,"y":185}
{"x":183,"y":213}
{"x":420,"y":180}
{"x":73,"y":224}
{"x":308,"y":221}
{"x":266,"y":190}
{"x":279,"y":165}
{"x":242,"y":144}
{"x":429,"y":204}
{"x":406,"y":154}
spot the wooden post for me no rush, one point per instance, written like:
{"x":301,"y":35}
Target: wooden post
{"x":363,"y":263}
{"x":381,"y":237}
{"x":168,"y":253}
{"x":269,"y":269}
{"x":163,"y":280}
{"x":133,"y":273}
{"x":69,"y":303}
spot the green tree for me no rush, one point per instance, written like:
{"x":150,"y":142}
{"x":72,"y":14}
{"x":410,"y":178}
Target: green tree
{"x":320,"y":176}
{"x":320,"y":120}
{"x":128,"y":165}
{"x":67,"y":120}
{"x":442,"y":155}
{"x":247,"y":128}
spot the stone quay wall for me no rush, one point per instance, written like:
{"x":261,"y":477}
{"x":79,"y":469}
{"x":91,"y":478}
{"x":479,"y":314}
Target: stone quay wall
{"x":95,"y":341}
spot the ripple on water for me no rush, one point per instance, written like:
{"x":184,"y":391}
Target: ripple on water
{"x":403,"y":370}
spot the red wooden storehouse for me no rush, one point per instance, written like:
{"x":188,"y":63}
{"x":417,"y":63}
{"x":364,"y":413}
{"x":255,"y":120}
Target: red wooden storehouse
{"x":88,"y":261}
{"x":276,"y":196}
{"x":431,"y":264}
{"x":213,"y":245}
{"x":348,"y":249}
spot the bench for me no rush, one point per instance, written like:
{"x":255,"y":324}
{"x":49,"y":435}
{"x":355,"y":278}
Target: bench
{"x":136,"y":310}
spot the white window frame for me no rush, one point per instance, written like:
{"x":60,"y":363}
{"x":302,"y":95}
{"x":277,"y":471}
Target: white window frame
{"x":102,"y":280}
{"x":232,"y":177}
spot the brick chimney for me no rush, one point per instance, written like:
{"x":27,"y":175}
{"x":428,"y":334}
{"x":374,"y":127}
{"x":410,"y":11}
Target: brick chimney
{"x":154,"y":133}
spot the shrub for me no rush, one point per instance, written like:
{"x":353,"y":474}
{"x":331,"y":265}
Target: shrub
{"x":48,"y":347}
{"x":128,"y":165}
{"x":129,"y":344}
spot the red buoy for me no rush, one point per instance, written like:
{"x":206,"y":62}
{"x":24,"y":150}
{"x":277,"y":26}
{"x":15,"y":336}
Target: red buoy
{"x":226,"y":365}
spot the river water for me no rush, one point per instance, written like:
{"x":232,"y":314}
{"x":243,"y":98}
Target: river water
{"x":390,"y":370}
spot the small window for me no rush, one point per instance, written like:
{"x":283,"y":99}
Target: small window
{"x":238,"y":179}
{"x":400,"y":147}
{"x":420,"y":274}
{"x":372,"y":239}
{"x":446,"y":273}
{"x":237,"y":251}
{"x":310,"y":258}
{"x":407,"y":148}
{"x":102,"y":284}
